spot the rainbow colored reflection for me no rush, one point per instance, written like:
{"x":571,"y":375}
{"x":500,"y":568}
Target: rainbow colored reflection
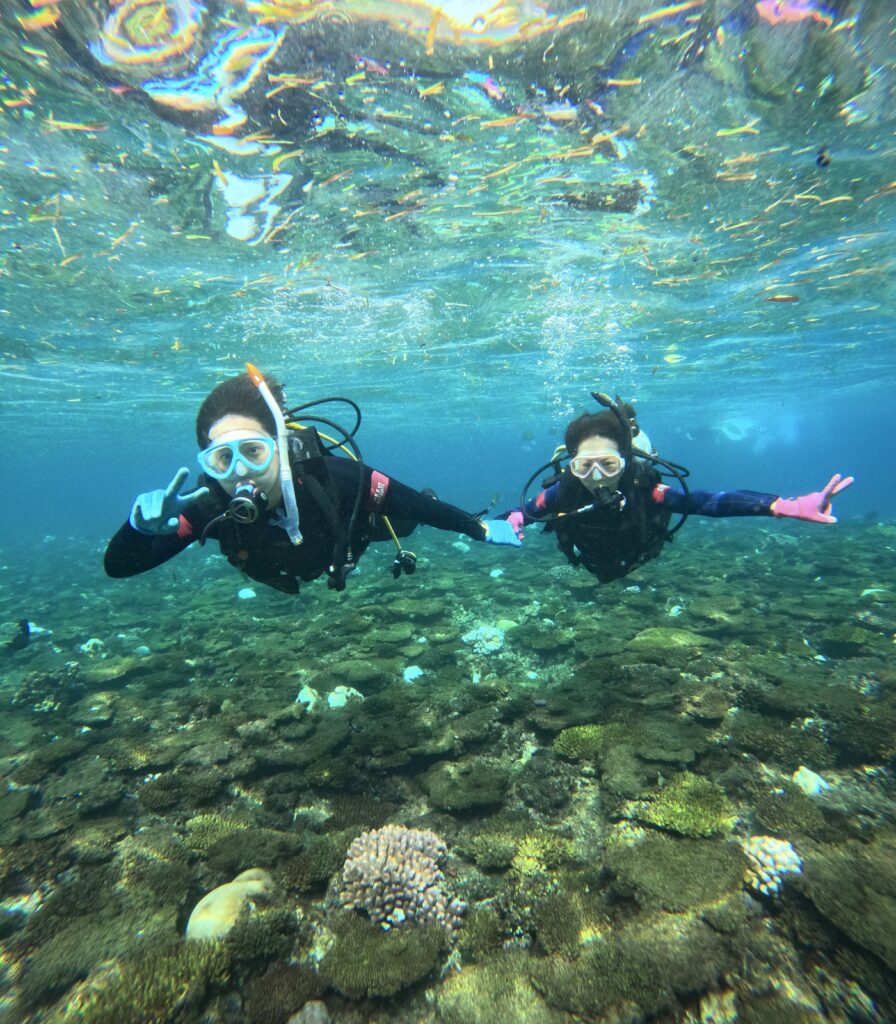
{"x":223,"y":75}
{"x":148,"y":32}
{"x":454,"y":22}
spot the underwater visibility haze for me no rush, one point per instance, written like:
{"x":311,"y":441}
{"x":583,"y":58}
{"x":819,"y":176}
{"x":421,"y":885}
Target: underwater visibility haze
{"x":493,"y":790}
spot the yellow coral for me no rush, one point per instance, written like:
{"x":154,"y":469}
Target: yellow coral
{"x":536,"y":854}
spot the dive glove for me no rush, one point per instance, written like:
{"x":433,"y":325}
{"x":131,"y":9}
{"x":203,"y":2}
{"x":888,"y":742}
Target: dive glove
{"x":518,"y":521}
{"x":814,"y":507}
{"x":499,"y":531}
{"x":159,"y":511}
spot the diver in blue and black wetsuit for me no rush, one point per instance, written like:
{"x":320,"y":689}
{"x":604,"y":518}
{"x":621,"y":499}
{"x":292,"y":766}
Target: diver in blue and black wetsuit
{"x":610,"y":507}
{"x":281,"y":520}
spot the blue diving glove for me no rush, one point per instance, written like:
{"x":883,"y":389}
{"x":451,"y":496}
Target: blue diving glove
{"x":159,"y":511}
{"x":499,"y":531}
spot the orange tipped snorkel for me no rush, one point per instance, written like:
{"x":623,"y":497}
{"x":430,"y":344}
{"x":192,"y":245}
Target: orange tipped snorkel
{"x":289,"y":521}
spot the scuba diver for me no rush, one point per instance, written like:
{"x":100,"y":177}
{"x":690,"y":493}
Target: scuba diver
{"x":610,"y":507}
{"x":282,"y":520}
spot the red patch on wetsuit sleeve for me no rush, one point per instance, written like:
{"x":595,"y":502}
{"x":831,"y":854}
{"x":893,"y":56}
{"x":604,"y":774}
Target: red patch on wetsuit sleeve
{"x":184,"y":528}
{"x":379,"y":485}
{"x":659,"y":493}
{"x":541,"y":500}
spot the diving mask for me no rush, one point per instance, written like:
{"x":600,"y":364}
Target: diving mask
{"x":242,"y":457}
{"x":602,"y":465}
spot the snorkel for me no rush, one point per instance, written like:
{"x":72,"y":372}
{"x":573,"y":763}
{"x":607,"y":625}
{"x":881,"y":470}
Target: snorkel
{"x":290,"y":522}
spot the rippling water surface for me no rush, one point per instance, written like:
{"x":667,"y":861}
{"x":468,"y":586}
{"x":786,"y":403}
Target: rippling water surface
{"x":466,"y":217}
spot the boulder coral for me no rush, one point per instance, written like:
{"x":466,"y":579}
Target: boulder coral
{"x":216,"y":913}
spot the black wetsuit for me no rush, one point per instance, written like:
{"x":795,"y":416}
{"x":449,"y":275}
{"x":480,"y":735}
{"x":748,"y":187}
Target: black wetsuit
{"x":264,"y":551}
{"x":611,"y":541}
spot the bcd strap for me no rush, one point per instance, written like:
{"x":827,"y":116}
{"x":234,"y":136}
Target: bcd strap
{"x":376,"y":496}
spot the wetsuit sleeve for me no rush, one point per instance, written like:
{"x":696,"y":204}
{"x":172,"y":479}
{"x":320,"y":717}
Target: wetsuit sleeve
{"x":388,"y":496}
{"x":719,"y":504}
{"x":131,"y":552}
{"x":543,"y":504}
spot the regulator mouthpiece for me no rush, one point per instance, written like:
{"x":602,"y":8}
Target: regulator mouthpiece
{"x":247,"y":503}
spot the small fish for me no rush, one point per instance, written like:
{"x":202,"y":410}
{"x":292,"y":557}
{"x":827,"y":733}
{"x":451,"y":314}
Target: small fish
{"x":823,"y":157}
{"x":486,"y":83}
{"x":373,"y":66}
{"x":21,"y":640}
{"x":783,"y":298}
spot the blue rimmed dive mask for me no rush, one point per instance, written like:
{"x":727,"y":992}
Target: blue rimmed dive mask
{"x":243,"y":457}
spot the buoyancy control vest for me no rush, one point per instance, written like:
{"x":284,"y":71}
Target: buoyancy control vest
{"x":266,"y":554}
{"x":612,"y":540}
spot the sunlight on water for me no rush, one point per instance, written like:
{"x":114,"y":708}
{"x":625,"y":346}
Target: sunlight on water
{"x":668,"y":797}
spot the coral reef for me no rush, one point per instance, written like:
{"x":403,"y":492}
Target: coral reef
{"x":587,"y":791}
{"x":149,"y":989}
{"x":768,"y":860}
{"x":217,"y":912}
{"x":366,"y":961}
{"x":689,"y":805}
{"x":394,"y":875}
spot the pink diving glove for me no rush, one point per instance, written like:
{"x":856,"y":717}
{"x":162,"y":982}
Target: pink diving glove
{"x":517,"y":520}
{"x":814,"y":507}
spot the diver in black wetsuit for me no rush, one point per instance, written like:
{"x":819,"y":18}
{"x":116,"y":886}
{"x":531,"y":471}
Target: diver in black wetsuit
{"x":610,"y":508}
{"x":280,"y":520}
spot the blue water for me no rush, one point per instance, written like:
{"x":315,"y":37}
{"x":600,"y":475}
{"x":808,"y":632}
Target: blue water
{"x":466,"y":220}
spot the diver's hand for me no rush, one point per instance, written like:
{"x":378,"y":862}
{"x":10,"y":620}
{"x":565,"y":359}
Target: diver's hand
{"x":517,"y":520}
{"x":814,"y":507}
{"x":159,"y":511}
{"x":499,"y":531}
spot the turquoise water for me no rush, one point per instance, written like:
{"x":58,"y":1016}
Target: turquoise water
{"x":466,"y":220}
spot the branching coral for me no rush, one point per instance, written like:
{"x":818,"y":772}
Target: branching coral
{"x":393,"y":874}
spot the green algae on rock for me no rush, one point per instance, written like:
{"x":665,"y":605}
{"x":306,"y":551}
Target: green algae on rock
{"x":150,"y":989}
{"x":853,"y":885}
{"x":475,"y":782}
{"x":689,"y":805}
{"x":676,"y":874}
{"x":657,"y":641}
{"x":496,"y":991}
{"x":637,"y":970}
{"x":366,"y":961}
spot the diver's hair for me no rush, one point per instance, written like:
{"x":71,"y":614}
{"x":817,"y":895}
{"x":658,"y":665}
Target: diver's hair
{"x":238,"y":395}
{"x":602,"y":424}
